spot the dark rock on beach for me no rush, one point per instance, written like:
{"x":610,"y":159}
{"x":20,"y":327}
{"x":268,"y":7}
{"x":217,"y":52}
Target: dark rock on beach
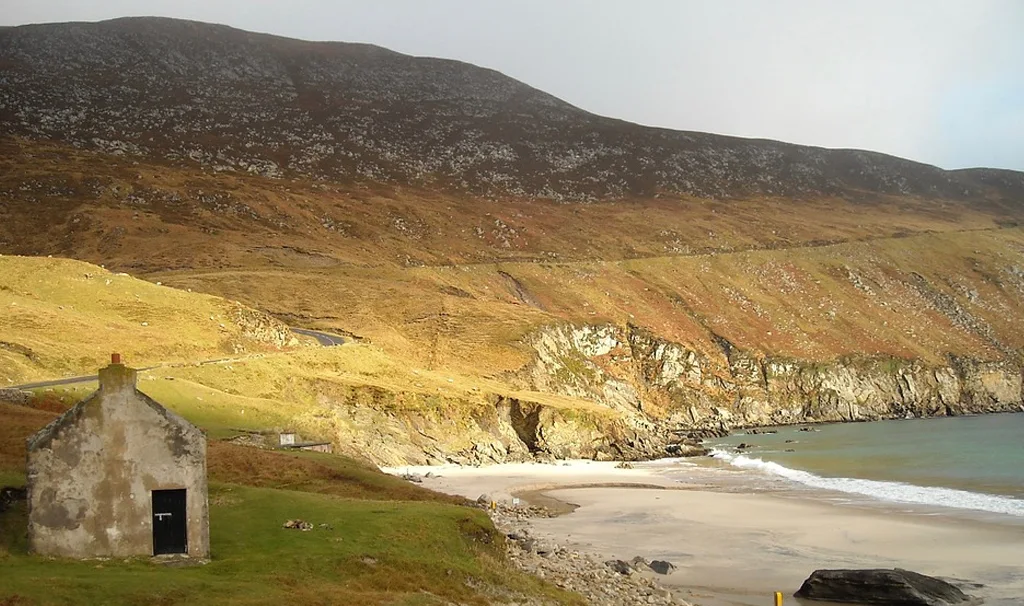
{"x":620,"y":566}
{"x":662,"y":567}
{"x":881,"y":586}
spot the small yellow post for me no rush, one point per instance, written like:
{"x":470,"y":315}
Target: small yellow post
{"x":494,"y":506}
{"x":778,"y":598}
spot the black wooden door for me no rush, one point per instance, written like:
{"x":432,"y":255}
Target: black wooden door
{"x":169,"y":525}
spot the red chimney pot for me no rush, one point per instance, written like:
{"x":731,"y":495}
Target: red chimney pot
{"x":115,"y":358}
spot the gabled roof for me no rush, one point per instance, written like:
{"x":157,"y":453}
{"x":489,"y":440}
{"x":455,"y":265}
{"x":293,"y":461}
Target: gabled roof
{"x":112,"y":378}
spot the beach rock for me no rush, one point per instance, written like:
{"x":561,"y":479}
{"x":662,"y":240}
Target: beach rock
{"x":662,"y":567}
{"x":687,"y":450}
{"x":881,"y":586}
{"x":600,"y":583}
{"x":619,"y":566}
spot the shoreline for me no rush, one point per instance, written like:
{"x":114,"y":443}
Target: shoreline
{"x":735,"y":548}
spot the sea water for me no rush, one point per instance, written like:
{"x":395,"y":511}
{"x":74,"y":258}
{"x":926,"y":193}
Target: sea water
{"x":971,"y":463}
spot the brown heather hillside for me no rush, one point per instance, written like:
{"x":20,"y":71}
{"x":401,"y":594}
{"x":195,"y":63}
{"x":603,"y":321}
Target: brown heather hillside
{"x":506,"y":258}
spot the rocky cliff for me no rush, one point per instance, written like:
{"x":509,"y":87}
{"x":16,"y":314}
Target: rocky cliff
{"x":673,"y":387}
{"x":633,"y":395}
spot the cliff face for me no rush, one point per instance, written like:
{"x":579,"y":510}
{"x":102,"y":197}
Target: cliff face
{"x":404,"y":428}
{"x":651,"y":398}
{"x":666,"y":386}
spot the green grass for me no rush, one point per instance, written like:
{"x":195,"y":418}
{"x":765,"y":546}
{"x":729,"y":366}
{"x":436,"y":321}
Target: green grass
{"x":9,"y":477}
{"x":371,"y":553}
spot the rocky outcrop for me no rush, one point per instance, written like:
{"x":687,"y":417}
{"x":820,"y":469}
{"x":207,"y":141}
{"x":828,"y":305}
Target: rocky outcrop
{"x":659,"y":385}
{"x":897,"y":587}
{"x":15,"y":396}
{"x":261,"y":327}
{"x":402,"y":428}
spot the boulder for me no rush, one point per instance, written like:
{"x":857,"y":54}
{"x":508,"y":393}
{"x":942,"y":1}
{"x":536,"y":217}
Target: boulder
{"x":639,"y":563}
{"x":684,"y":449}
{"x":662,"y":567}
{"x":619,"y":566}
{"x":881,"y":586}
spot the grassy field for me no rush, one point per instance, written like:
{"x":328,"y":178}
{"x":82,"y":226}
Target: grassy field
{"x":383,"y":540}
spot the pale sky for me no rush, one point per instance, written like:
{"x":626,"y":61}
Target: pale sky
{"x":937,"y":81}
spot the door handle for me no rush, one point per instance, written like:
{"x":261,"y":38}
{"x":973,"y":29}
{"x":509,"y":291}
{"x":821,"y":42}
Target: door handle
{"x":160,"y":516}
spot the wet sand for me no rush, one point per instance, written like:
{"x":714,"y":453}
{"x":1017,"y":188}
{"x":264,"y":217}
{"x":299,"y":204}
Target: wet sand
{"x":737,"y":549}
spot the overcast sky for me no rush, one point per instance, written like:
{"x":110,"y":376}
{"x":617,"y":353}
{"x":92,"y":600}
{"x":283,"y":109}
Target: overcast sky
{"x":932,"y":80}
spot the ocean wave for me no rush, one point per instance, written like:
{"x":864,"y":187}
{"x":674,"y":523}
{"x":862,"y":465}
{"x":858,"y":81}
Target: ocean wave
{"x":897,"y":492}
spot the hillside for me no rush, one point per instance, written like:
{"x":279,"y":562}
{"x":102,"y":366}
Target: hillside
{"x":239,"y":101}
{"x":63,"y":317}
{"x":520,"y":278}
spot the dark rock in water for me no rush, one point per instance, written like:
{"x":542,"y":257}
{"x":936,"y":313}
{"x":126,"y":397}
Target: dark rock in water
{"x":687,"y":450}
{"x":880,"y":586}
{"x":743,"y":446}
{"x":661,"y":566}
{"x":620,"y":566}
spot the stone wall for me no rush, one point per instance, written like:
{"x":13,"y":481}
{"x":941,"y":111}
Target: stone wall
{"x":91,"y":473}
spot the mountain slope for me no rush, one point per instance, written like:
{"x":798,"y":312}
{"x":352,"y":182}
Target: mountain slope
{"x":434,"y":210}
{"x":235,"y":100}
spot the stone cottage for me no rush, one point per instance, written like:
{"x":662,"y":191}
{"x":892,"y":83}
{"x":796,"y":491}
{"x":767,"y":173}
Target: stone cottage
{"x":118,"y":475}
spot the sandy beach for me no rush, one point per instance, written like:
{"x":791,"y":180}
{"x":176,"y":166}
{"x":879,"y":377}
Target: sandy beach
{"x":735,"y":549}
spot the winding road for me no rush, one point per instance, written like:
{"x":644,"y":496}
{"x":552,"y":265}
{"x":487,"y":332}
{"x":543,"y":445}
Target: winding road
{"x":323,"y":338}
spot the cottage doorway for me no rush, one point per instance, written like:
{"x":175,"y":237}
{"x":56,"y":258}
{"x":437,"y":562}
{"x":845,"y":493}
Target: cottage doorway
{"x":169,"y":524}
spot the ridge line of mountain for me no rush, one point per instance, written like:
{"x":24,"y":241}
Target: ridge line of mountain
{"x":334,"y":111}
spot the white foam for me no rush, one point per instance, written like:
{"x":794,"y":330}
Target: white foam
{"x":897,"y":492}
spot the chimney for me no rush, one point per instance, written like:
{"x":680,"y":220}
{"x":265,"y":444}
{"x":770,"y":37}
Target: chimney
{"x":117,"y":376}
